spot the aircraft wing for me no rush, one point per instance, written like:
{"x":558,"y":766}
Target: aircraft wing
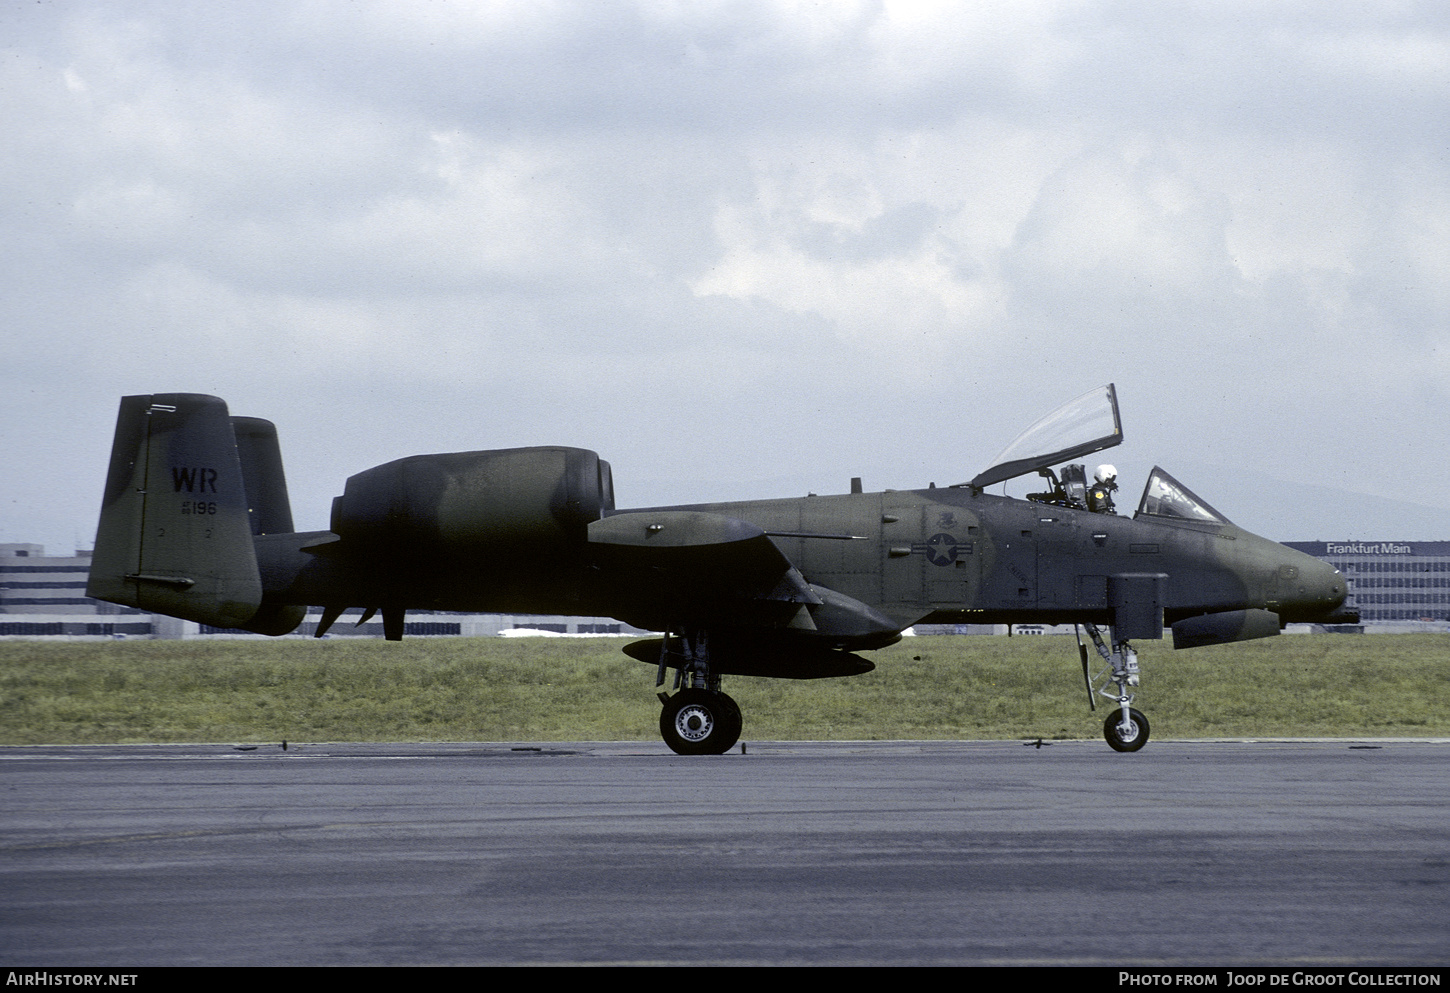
{"x":680,"y":565}
{"x":681,"y":568}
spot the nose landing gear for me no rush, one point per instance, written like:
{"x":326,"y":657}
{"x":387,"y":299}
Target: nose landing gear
{"x":1126,"y":729}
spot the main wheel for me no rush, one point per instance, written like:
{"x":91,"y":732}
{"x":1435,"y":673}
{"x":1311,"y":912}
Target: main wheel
{"x":735,"y":720}
{"x":698,"y":722}
{"x":1127,"y":738}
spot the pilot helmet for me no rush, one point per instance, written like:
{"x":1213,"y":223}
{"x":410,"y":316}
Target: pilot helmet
{"x":1106,"y":473}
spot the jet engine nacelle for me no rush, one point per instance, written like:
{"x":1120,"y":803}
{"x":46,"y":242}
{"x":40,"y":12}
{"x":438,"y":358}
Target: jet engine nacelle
{"x":1225,"y":626}
{"x":471,"y":502}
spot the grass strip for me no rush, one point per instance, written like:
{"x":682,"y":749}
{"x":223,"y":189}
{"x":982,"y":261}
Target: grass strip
{"x":566,"y":689}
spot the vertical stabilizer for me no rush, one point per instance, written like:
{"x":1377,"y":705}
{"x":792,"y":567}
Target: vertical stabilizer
{"x":175,"y":535}
{"x":269,"y":510}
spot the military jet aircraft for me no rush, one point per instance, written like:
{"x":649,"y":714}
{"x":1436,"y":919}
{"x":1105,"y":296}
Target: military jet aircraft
{"x":196,"y":524}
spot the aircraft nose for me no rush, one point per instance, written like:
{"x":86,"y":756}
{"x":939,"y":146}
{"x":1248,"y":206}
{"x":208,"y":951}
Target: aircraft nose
{"x":1309,"y":589}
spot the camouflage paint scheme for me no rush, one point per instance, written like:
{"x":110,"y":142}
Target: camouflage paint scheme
{"x":195,"y":524}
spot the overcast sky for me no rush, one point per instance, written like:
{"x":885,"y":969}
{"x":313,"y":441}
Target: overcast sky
{"x":741,"y":249}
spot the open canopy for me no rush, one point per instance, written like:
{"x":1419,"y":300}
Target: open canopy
{"x":1086,"y":425}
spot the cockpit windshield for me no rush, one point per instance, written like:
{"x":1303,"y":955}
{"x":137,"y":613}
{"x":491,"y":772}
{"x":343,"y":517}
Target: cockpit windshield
{"x":1088,"y":424}
{"x":1165,"y":496}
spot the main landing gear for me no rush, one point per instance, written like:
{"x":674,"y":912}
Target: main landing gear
{"x":700,"y":722}
{"x":698,"y":719}
{"x":1125,"y":729}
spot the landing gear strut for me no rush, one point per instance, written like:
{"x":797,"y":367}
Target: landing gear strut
{"x":1126,"y":729}
{"x":698,"y":719}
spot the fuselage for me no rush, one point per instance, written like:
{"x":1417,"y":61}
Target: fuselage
{"x":935,"y":555}
{"x":947,"y":555}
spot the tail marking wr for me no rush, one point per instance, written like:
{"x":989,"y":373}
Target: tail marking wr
{"x":196,"y":479}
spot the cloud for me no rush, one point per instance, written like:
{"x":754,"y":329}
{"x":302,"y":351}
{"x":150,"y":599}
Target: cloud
{"x":730,"y":241}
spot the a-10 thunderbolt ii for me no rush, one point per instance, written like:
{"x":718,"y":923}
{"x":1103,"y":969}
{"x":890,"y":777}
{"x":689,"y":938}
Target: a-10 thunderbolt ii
{"x":196,"y":524}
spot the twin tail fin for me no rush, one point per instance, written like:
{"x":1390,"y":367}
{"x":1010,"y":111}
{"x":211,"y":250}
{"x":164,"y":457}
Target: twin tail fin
{"x":189,"y":487}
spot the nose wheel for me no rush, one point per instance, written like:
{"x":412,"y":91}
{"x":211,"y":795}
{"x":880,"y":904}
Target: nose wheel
{"x":1125,"y":729}
{"x":1126,"y":734}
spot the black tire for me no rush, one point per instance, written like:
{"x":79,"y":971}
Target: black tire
{"x":1130,"y":740}
{"x":736,"y":720}
{"x":698,"y":722}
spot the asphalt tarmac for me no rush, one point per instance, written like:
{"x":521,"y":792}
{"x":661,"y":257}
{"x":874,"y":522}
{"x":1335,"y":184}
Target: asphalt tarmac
{"x":991,"y":853}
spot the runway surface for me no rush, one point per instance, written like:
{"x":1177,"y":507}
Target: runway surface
{"x":1209,"y":853}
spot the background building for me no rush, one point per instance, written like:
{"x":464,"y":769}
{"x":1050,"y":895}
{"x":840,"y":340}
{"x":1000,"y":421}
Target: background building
{"x":44,"y":596}
{"x":1399,"y":584}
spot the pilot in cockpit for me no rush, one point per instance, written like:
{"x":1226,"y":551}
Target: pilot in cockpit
{"x":1100,"y":494}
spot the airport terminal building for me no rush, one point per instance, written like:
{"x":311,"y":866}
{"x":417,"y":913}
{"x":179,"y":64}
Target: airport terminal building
{"x":44,"y":596}
{"x":1395,"y":583}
